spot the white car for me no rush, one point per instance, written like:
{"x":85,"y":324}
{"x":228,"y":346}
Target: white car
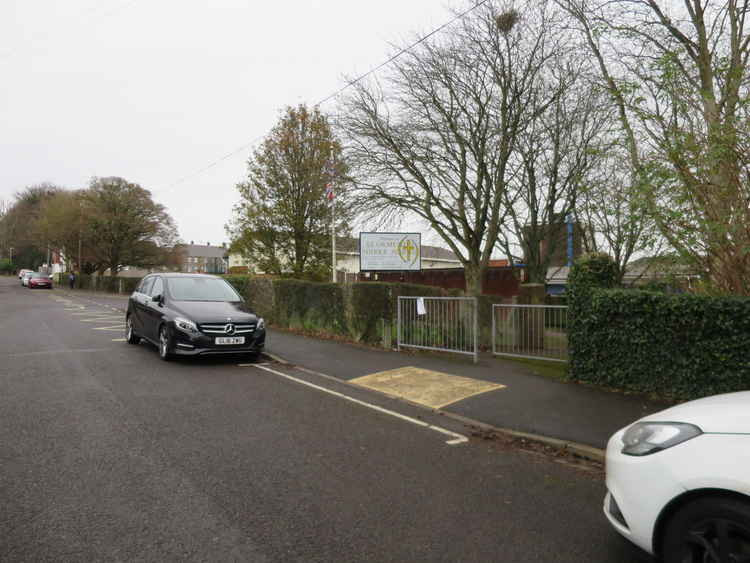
{"x":678,"y":481}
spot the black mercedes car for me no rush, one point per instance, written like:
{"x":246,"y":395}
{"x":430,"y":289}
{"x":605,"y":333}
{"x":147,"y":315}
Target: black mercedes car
{"x":192,"y":315}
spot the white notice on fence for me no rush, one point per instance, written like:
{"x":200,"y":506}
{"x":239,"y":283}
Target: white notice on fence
{"x":420,"y":306}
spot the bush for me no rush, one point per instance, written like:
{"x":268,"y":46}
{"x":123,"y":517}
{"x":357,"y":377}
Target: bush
{"x":679,"y":346}
{"x":129,"y":284}
{"x":366,"y":306}
{"x":359,"y":311}
{"x":100,"y":283}
{"x":311,"y":306}
{"x":593,"y":270}
{"x":239,"y":282}
{"x":684,"y":346}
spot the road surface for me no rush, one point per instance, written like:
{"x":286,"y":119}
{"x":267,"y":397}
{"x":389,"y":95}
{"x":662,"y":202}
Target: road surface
{"x":109,"y":454}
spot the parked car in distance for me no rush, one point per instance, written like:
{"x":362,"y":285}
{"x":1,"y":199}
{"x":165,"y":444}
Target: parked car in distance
{"x":678,"y":481}
{"x":25,"y":279}
{"x":192,"y":315}
{"x":37,"y":279}
{"x":21,"y":273}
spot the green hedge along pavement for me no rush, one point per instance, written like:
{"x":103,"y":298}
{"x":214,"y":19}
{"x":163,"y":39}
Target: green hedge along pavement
{"x":107,"y":284}
{"x":679,"y":346}
{"x":364,"y":312}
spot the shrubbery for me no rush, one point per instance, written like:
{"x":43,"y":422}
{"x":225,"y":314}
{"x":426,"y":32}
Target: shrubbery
{"x":681,"y":346}
{"x":358,"y":311}
{"x":6,"y":266}
{"x":100,"y":283}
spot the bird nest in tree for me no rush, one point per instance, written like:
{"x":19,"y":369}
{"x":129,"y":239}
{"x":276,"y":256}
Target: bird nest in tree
{"x":506,"y":20}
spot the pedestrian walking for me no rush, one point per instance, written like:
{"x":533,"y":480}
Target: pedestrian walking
{"x":72,"y":279}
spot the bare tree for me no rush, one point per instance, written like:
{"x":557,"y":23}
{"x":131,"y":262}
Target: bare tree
{"x":555,"y":150}
{"x":439,"y":136}
{"x":612,"y":214}
{"x":678,"y":74}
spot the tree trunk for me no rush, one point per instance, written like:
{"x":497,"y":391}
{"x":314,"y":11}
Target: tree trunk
{"x":474,"y":274}
{"x":537,"y":273}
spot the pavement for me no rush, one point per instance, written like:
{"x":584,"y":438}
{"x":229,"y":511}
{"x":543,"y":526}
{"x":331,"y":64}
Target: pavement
{"x":109,"y":454}
{"x":495,"y":393}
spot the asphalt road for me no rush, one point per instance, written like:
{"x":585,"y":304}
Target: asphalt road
{"x":108,"y":454}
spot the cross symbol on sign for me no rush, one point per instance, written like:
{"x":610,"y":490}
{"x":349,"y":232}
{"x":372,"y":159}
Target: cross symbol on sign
{"x":407,"y":250}
{"x":409,"y":246}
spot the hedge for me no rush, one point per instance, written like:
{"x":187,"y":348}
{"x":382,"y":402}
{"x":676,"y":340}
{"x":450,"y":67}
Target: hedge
{"x":360,"y":311}
{"x":100,"y":283}
{"x":679,"y":346}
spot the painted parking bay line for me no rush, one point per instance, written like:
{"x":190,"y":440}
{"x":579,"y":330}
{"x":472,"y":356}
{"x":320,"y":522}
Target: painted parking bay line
{"x":108,"y":319}
{"x":455,"y":437}
{"x":425,"y":387}
{"x":118,"y":328}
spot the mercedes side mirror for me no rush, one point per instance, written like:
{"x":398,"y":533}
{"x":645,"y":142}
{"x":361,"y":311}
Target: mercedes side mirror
{"x":157,"y":298}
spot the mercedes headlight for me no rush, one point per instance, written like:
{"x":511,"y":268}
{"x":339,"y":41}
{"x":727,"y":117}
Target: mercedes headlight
{"x":645,"y":438}
{"x":261,"y":324}
{"x":185,"y":325}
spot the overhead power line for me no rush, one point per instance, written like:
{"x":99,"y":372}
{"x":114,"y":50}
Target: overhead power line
{"x":336,"y":93}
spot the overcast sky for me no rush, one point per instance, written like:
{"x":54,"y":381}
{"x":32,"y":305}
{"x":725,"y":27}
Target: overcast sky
{"x":155,"y":90}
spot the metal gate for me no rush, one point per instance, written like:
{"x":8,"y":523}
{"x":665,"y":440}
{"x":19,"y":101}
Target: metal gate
{"x":446,"y":324}
{"x":530,"y":331}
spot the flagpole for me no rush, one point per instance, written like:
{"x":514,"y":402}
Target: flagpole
{"x":332,"y":196}
{"x":333,"y":238}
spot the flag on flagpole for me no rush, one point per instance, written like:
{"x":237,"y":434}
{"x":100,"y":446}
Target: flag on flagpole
{"x":330,"y":171}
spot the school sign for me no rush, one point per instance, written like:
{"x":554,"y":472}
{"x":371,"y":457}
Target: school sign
{"x":379,"y":252}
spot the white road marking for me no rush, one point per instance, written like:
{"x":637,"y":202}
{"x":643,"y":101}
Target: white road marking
{"x":108,"y":319}
{"x":57,"y":352}
{"x":116,"y":327}
{"x":456,"y":438}
{"x":118,"y":340}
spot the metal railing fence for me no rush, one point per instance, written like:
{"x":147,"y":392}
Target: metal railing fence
{"x":530,"y":331}
{"x":447,"y":324}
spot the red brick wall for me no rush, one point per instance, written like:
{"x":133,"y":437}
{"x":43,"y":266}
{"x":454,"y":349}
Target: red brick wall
{"x":497,"y":281}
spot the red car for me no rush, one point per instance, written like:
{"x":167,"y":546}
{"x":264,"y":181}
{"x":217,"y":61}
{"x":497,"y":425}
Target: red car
{"x":39,"y":280}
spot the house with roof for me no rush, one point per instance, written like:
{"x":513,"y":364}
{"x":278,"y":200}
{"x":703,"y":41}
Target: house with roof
{"x":204,"y":258}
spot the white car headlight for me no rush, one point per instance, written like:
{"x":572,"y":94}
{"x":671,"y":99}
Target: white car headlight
{"x":185,"y":325}
{"x":645,"y":438}
{"x":261,"y":324}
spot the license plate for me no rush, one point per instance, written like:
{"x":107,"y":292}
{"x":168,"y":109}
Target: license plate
{"x":230,"y":340}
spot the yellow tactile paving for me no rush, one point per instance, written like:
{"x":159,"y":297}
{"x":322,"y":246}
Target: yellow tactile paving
{"x":430,"y":388}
